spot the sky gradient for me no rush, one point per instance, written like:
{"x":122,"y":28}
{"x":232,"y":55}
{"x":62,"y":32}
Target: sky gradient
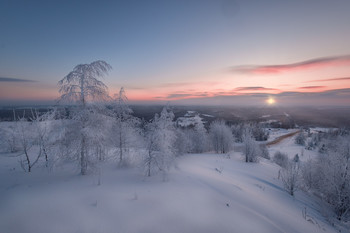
{"x":184,"y":51}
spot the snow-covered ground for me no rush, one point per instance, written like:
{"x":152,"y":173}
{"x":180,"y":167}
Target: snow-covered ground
{"x":188,"y":121}
{"x":207,"y":115}
{"x":201,"y":193}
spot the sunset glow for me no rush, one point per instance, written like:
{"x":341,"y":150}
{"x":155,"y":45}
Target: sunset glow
{"x":185,"y":52}
{"x":270,"y":101}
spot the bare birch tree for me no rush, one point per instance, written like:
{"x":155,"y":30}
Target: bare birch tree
{"x":124,"y":130}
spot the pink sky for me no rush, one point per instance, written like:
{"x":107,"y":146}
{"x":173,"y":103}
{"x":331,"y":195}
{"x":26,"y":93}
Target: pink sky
{"x":316,"y":76}
{"x":311,"y":76}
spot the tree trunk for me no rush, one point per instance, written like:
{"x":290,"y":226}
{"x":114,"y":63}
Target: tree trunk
{"x":83,"y":162}
{"x":149,"y":163}
{"x":28,"y":160}
{"x":46,"y":157}
{"x":120,"y":145}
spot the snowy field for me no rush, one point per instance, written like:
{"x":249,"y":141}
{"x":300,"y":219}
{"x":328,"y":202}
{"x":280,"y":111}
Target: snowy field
{"x":201,"y":193}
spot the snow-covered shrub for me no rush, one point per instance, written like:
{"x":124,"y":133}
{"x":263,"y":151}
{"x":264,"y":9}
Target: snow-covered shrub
{"x":264,"y":152}
{"x":251,"y":149}
{"x":300,"y":138}
{"x":281,"y":159}
{"x":310,"y":145}
{"x":296,"y":158}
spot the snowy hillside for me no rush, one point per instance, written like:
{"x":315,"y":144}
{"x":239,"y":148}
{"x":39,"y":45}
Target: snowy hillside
{"x":202,"y":193}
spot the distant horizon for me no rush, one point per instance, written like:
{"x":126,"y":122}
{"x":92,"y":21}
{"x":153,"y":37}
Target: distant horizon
{"x":52,"y":103}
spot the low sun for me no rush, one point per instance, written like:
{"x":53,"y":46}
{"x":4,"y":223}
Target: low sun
{"x":271,"y":101}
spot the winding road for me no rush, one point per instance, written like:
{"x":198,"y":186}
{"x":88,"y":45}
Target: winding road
{"x":281,"y":138}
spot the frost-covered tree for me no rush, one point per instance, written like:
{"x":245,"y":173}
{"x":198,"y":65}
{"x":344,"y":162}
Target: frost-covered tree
{"x":86,"y":132}
{"x":251,"y":149}
{"x":125,"y":133}
{"x":160,"y":140}
{"x":29,"y":142}
{"x":290,"y":177}
{"x":80,"y":86}
{"x":26,"y":140}
{"x":309,"y":175}
{"x":197,"y":137}
{"x":221,"y":136}
{"x":256,"y":130}
{"x":183,"y":142}
{"x":200,"y":140}
{"x":333,"y":171}
{"x":237,"y":131}
{"x":45,"y":126}
{"x":329,"y":175}
{"x":83,"y":84}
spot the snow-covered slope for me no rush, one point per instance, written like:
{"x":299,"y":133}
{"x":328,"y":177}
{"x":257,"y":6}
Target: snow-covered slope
{"x":202,"y":193}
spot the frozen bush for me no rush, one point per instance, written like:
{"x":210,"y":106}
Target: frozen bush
{"x":281,"y":159}
{"x":264,"y":152}
{"x":300,"y":139}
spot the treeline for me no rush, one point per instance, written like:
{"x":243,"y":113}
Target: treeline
{"x":94,"y":132}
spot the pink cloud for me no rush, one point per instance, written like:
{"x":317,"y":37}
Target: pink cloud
{"x":255,"y":89}
{"x":312,"y":87}
{"x":329,"y":80}
{"x":309,"y":64}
